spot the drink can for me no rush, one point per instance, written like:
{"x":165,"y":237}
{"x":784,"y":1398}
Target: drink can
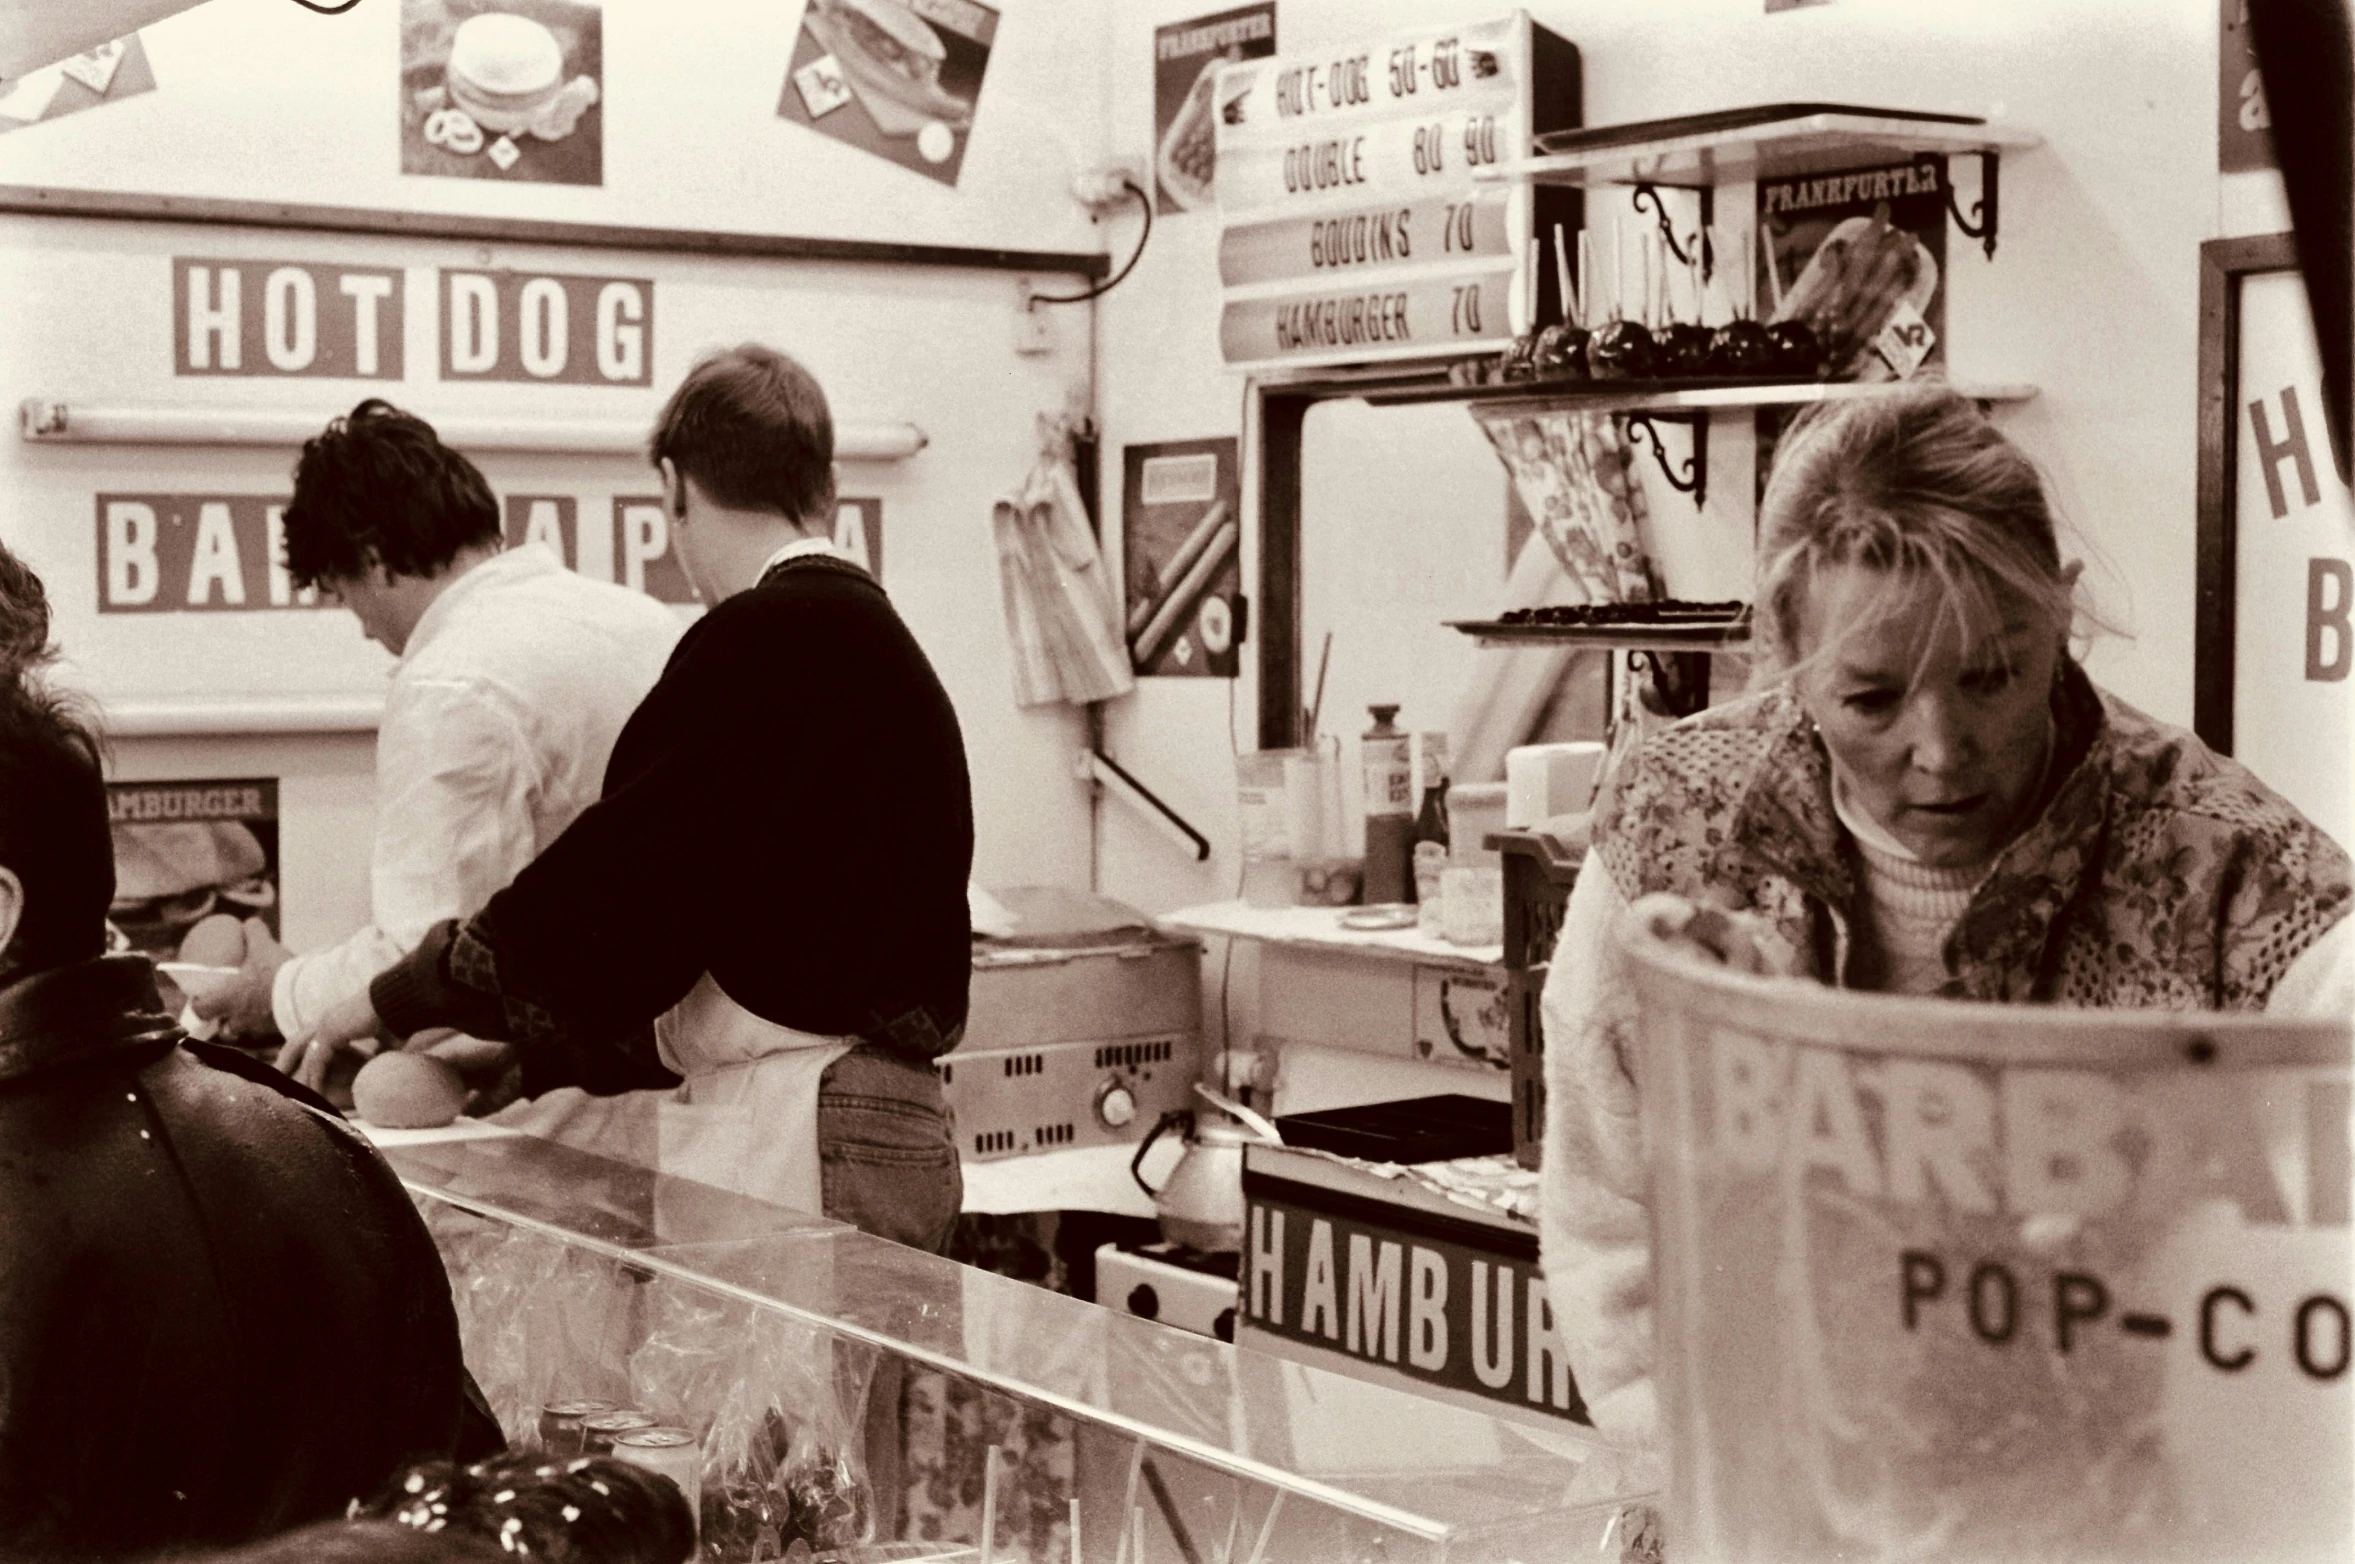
{"x":560,"y":1424}
{"x":598,"y":1433}
{"x":673,"y":1452}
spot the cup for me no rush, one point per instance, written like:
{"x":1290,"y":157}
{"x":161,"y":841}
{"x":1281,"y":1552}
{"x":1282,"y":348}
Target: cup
{"x":1472,"y":904}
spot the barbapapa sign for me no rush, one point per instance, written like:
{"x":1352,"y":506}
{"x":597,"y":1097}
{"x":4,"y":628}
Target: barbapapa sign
{"x":2009,"y":1295}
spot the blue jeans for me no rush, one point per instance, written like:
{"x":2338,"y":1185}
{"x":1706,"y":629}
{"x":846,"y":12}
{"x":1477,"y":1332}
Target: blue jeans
{"x":887,"y":1153}
{"x":887,"y":1164}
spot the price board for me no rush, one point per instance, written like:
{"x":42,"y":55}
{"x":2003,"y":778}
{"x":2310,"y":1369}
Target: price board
{"x":1352,"y":227}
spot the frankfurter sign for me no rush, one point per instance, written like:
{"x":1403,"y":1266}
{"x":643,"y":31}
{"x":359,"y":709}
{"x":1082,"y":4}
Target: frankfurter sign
{"x":1353,"y":229}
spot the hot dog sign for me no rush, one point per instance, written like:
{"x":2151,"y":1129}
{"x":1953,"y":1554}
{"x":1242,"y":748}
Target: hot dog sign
{"x":1968,"y":1281}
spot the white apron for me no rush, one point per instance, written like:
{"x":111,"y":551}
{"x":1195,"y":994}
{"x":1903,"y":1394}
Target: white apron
{"x":745,"y":1118}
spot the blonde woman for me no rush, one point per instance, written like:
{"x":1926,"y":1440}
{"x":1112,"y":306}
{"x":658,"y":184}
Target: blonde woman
{"x":1929,"y":797}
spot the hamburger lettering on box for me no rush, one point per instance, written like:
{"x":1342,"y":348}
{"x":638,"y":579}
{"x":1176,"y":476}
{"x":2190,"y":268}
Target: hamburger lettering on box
{"x":898,"y":78}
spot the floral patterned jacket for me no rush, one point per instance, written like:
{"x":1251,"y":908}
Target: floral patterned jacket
{"x":2158,"y":876}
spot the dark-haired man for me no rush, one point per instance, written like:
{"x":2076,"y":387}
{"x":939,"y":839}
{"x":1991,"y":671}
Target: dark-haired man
{"x":515,"y":677}
{"x":776,"y":872}
{"x":220,"y":1315}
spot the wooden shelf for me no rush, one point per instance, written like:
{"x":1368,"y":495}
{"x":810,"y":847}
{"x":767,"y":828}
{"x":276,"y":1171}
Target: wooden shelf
{"x":1626,"y":396}
{"x":1710,"y":637}
{"x":1320,"y":929}
{"x":1777,"y":149}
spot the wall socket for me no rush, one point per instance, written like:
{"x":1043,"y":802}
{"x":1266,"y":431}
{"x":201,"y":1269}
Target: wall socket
{"x":1034,"y":323}
{"x":1102,"y":188}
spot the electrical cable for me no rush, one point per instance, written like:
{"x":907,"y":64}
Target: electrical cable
{"x":1144,"y":204}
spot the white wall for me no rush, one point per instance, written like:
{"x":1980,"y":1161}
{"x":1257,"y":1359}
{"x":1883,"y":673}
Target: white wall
{"x":2092,"y":296}
{"x":257,"y":100}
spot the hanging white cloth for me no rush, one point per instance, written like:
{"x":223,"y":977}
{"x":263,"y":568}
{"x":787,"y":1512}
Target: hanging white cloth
{"x":1062,"y":616}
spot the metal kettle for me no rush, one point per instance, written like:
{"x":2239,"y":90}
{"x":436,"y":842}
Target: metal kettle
{"x":1200,"y":1203}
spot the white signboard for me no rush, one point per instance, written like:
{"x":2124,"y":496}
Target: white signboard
{"x":2294,"y":635}
{"x":1353,"y":229}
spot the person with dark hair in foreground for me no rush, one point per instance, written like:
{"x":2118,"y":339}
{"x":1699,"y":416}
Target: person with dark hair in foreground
{"x":514,"y":679}
{"x":24,"y":617}
{"x":220,"y":1315}
{"x":582,"y":1510}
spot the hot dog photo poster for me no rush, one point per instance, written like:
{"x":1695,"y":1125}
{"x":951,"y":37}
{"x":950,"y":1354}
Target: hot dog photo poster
{"x":1186,"y":55}
{"x":898,"y":78}
{"x":1859,"y":255}
{"x":1181,"y":557}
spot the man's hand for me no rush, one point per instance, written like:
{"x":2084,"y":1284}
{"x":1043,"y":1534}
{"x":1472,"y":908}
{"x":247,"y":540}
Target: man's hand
{"x":242,"y":1004}
{"x":351,"y":1026}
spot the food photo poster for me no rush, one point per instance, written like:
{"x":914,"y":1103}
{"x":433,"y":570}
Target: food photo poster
{"x":1186,"y":58}
{"x":1181,"y":537}
{"x":1859,"y":256}
{"x":898,"y":78}
{"x":503,"y":89}
{"x":107,"y":74}
{"x":188,"y":852}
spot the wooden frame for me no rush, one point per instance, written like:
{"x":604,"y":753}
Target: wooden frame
{"x":2223,"y":263}
{"x":127,"y":206}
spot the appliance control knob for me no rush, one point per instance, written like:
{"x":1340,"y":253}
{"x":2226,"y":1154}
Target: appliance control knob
{"x":1117,"y":1106}
{"x":1144,"y":1302}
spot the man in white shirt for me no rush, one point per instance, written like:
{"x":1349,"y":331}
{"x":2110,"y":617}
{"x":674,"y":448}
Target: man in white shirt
{"x":515,"y":677}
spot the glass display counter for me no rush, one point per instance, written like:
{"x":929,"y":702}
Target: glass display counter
{"x":1015,"y":1415}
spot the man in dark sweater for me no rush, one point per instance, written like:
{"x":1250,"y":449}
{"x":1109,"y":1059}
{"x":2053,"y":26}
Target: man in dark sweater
{"x":775,"y":873}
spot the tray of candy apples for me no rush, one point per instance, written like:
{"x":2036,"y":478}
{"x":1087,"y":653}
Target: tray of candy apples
{"x":1665,"y":624}
{"x":1647,"y":326}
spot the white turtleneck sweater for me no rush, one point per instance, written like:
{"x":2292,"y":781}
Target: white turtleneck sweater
{"x":1909,"y":906}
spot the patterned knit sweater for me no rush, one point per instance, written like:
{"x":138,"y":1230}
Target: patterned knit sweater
{"x":2158,"y":875}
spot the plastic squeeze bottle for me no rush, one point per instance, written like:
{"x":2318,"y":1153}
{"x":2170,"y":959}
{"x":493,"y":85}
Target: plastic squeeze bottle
{"x":1390,"y":809}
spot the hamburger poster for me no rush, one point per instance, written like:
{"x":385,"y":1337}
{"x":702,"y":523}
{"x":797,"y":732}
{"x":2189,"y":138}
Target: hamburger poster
{"x":503,"y":89}
{"x":188,"y":851}
{"x":897,"y":78}
{"x":1186,"y":55}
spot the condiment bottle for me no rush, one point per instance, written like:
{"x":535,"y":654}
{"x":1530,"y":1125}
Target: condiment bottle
{"x":1430,"y":849}
{"x":1390,"y":808}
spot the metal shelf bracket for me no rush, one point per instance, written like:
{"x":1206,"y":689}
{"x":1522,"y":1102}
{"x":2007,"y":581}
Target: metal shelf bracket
{"x":1694,"y":479}
{"x":1981,"y":224}
{"x":1647,"y":197}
